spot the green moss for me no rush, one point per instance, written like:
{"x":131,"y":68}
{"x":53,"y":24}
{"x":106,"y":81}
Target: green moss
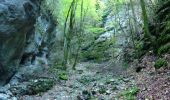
{"x":160,"y":63}
{"x":139,"y":49}
{"x":96,"y":30}
{"x":125,"y":65}
{"x":93,"y":55}
{"x":99,"y":51}
{"x":63,"y":75}
{"x":40,"y":85}
{"x":129,"y":94}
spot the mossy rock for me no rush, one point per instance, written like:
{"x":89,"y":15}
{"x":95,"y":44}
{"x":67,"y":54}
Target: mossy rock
{"x":160,"y":63}
{"x":99,"y":51}
{"x":39,"y":86}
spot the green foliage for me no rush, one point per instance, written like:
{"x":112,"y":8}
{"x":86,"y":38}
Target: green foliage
{"x":139,"y":49}
{"x":139,"y":45}
{"x":40,"y":85}
{"x":115,"y":5}
{"x":59,"y":72}
{"x":163,"y":39}
{"x":63,"y":75}
{"x":160,"y":63}
{"x":164,"y":49}
{"x":91,"y":55}
{"x":125,"y":65}
{"x":98,"y":51}
{"x":102,"y":90}
{"x":96,"y":30}
{"x":59,"y":10}
{"x":74,"y":20}
{"x":129,"y":94}
{"x":166,"y":26}
{"x":160,"y":42}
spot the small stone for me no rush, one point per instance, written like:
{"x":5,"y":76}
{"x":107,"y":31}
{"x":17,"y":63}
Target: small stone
{"x":126,"y":80}
{"x":93,"y":92}
{"x":114,"y":87}
{"x":101,"y":84}
{"x":108,"y":92}
{"x":35,"y":81}
{"x":85,"y":92}
{"x":112,"y":80}
{"x":100,"y":98}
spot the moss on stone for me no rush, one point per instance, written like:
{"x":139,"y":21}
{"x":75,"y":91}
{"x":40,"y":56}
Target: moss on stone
{"x":39,"y":85}
{"x":99,"y":51}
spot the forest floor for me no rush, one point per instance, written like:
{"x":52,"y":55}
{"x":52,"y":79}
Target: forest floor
{"x":108,"y":81}
{"x":153,"y":84}
{"x":90,"y":81}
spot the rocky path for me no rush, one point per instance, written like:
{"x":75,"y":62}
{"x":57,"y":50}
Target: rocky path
{"x":90,"y":81}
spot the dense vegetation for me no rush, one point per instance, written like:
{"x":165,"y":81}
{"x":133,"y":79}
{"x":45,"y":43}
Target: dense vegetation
{"x":85,"y":19}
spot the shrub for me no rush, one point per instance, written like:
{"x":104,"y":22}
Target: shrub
{"x":160,"y":63}
{"x":39,"y":86}
{"x":63,"y":75}
{"x":164,"y":49}
{"x":129,"y":94}
{"x":139,"y":51}
{"x":163,"y":39}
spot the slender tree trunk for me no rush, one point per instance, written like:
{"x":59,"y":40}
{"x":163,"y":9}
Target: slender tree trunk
{"x":68,"y":35}
{"x":145,"y":20}
{"x":134,"y":20}
{"x":79,"y":36}
{"x":132,"y":29}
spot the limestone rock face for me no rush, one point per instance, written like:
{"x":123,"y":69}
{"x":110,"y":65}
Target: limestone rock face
{"x":17,"y":19}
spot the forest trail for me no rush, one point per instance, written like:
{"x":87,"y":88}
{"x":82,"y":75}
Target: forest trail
{"x":119,"y":48}
{"x":89,"y":81}
{"x":104,"y":80}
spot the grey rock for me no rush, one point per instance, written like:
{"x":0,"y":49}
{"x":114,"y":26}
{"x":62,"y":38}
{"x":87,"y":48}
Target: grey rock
{"x":16,"y":23}
{"x":25,"y":36}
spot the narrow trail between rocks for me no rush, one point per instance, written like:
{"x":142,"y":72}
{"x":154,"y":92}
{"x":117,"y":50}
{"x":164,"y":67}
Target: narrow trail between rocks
{"x":90,"y":80}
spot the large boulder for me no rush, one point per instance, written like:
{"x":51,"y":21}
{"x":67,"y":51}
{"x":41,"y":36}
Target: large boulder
{"x":17,"y":19}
